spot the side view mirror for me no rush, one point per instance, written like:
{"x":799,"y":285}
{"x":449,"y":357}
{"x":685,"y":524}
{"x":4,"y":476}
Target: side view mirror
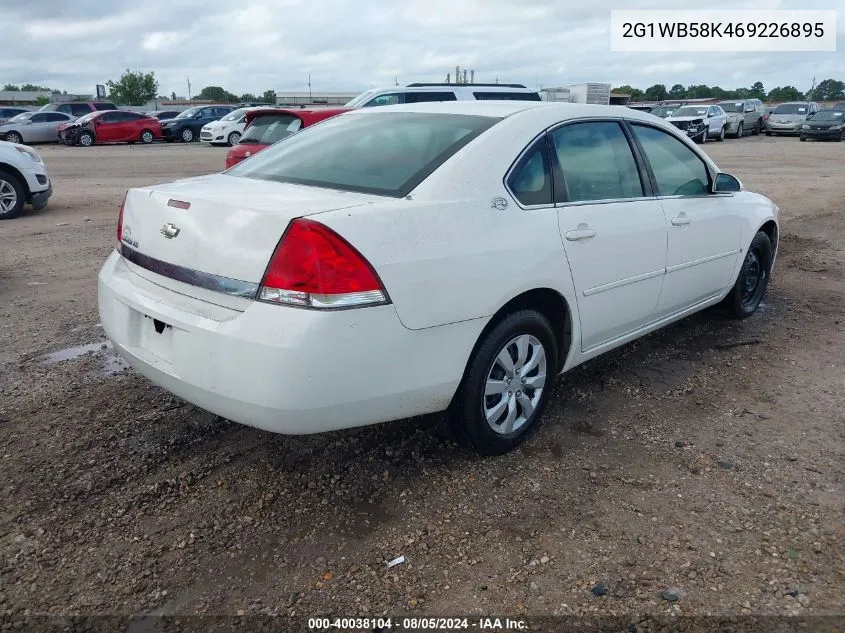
{"x":725,"y":183}
{"x":28,"y":122}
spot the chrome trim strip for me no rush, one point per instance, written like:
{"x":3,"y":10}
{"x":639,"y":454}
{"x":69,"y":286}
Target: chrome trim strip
{"x":676,"y":267}
{"x":624,"y":282}
{"x":584,"y":203}
{"x":216,"y":283}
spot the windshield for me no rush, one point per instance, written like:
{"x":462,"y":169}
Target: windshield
{"x":187,"y":114}
{"x":731,"y":106}
{"x":383,"y":154}
{"x":690,"y":111}
{"x":267,"y":129}
{"x":87,"y":117}
{"x":360,"y":99}
{"x":21,"y":117}
{"x":663,"y":110}
{"x":839,"y":106}
{"x":234,"y":115}
{"x":791,"y":108}
{"x":829,"y":115}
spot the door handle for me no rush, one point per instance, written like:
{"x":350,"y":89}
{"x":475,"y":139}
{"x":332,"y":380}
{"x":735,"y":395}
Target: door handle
{"x":582,"y":232}
{"x":680,"y":220}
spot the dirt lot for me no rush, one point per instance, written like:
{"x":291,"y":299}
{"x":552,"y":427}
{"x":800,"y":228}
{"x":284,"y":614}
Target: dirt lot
{"x":708,"y":458}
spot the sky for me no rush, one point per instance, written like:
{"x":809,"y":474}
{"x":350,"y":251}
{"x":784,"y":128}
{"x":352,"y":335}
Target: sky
{"x":349,"y":46}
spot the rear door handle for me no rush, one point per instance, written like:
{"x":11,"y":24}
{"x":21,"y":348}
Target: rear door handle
{"x":680,"y":220}
{"x":583,"y":232}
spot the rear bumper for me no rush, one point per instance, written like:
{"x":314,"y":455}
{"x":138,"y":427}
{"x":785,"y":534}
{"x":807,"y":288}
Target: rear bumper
{"x":282,"y":369}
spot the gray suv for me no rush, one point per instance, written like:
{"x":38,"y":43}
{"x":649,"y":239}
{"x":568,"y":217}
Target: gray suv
{"x":744,"y":116}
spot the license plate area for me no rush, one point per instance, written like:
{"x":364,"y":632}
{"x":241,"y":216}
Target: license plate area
{"x":157,"y":338}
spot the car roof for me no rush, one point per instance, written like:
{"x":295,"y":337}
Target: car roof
{"x":309,"y":114}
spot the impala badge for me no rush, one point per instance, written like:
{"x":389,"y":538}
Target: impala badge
{"x":169,"y":230}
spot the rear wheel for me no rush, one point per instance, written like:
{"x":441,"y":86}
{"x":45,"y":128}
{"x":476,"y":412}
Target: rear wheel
{"x":14,"y":137}
{"x":146,"y":137}
{"x":506,"y":385}
{"x":86,"y":139}
{"x":750,"y":287}
{"x":233,"y":138}
{"x":12,"y":195}
{"x":187,"y":135}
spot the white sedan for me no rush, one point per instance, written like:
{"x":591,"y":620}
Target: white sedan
{"x":404,"y":260}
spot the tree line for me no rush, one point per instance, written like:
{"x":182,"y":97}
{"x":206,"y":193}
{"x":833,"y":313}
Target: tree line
{"x":827,"y":90}
{"x":138,"y":88}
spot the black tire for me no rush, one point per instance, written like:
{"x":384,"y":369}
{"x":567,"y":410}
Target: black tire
{"x":86,"y":139}
{"x":12,"y":195}
{"x":753,"y":279}
{"x":768,"y":133}
{"x":721,"y":136}
{"x":187,"y":135}
{"x":739,"y":130}
{"x":757,"y":128}
{"x":233,"y":138}
{"x":466,"y":416}
{"x":702,"y":138}
{"x":146,"y":137}
{"x":802,"y":138}
{"x":14,"y":137}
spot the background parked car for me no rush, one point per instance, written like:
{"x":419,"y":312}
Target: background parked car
{"x":839,"y":106}
{"x":78,"y":108}
{"x":23,"y":179}
{"x":787,"y":118}
{"x":114,"y":126}
{"x":744,"y":115}
{"x":8,"y":113}
{"x":163,"y":115}
{"x":700,"y":122}
{"x":187,"y":125}
{"x":663,"y":111}
{"x":33,"y":127}
{"x":823,"y":125}
{"x":226,"y":130}
{"x":425,"y":92}
{"x":266,"y":126}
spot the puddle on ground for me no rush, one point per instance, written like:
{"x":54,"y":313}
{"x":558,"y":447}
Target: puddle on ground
{"x":110,"y":362}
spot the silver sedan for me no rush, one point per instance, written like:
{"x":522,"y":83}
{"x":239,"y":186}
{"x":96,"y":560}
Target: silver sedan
{"x":33,"y":127}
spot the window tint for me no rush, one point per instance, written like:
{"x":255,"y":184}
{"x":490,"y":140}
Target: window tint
{"x":109,"y":117}
{"x":64,"y":108}
{"x":268,"y":129}
{"x":385,"y":155}
{"x":79,"y":109}
{"x":55,"y":116}
{"x":104,"y":106}
{"x":382,"y":100}
{"x":677,"y":169}
{"x":131,"y":116}
{"x":507,"y":96}
{"x":40,"y":118}
{"x":421,"y":97}
{"x":597,"y":162}
{"x":531,"y":180}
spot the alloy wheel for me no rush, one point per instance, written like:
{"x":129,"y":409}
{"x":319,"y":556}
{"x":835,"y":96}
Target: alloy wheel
{"x":515,"y":384}
{"x":8,"y":197}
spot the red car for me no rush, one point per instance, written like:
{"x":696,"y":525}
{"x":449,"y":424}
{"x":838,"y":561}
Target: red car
{"x":268,"y":125}
{"x":110,"y":126}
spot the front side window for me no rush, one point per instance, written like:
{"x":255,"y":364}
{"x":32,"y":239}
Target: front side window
{"x":383,"y":100}
{"x":678,"y":171}
{"x":79,"y":109}
{"x":597,"y":162}
{"x":387,"y":155}
{"x":40,"y":118}
{"x":530,"y":182}
{"x":269,"y":128}
{"x":54,"y":117}
{"x":190,"y":113}
{"x":424,"y":97}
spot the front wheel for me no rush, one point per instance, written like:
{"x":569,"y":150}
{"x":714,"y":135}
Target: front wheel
{"x":802,"y":138}
{"x":14,"y":137}
{"x":12,"y":196}
{"x":750,"y":287}
{"x":506,"y":385}
{"x":721,"y":136}
{"x":86,"y":139}
{"x":146,"y":137}
{"x":768,"y":133}
{"x":187,"y":135}
{"x":233,"y":138}
{"x":739,"y":130}
{"x":703,"y":138}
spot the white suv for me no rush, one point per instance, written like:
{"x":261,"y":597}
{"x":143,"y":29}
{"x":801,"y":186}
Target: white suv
{"x":418,"y":93}
{"x":23,"y":178}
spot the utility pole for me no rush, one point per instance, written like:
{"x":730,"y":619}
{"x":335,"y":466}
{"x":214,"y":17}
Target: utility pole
{"x":812,"y":87}
{"x":309,"y":87}
{"x":188,"y":79}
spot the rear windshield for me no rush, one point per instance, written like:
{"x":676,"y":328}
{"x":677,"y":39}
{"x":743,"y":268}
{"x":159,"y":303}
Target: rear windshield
{"x":386,"y":154}
{"x":791,"y":108}
{"x":269,"y":128}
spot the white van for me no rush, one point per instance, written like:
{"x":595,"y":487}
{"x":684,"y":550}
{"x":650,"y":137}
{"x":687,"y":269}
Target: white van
{"x":418,"y":93}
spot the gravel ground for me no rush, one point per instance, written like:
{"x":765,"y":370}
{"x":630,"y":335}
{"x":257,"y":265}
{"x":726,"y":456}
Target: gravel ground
{"x":697,"y":471}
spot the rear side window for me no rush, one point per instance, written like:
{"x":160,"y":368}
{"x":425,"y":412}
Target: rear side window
{"x":131,"y":116}
{"x":385,"y":155}
{"x":423,"y":97}
{"x":530,"y":182}
{"x":506,"y":96}
{"x":268,"y":129}
{"x":104,"y":106}
{"x":79,"y":109}
{"x":677,"y":170}
{"x":53,"y":117}
{"x":597,"y":162}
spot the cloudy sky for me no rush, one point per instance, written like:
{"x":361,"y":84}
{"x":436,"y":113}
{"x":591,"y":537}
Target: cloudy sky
{"x":346,"y":45}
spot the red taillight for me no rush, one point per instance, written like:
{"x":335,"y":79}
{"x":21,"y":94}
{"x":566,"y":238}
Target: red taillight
{"x":315,"y":267}
{"x":120,"y":224}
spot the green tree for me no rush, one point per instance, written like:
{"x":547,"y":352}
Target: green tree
{"x":269,"y":96}
{"x":757,"y":91}
{"x":41,"y":101}
{"x":677,"y":92}
{"x":699,"y":92}
{"x":133,"y":88}
{"x":636,"y":93}
{"x":786,"y":93}
{"x":35,"y":88}
{"x":248,"y":97}
{"x":216,"y":93}
{"x":829,"y":90}
{"x":657,"y":92}
{"x":12,"y":88}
